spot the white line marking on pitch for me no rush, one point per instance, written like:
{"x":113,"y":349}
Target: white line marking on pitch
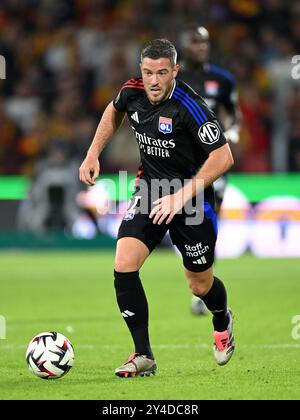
{"x":164,"y":346}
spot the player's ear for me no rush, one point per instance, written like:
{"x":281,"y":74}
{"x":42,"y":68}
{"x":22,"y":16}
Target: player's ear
{"x":175,"y":70}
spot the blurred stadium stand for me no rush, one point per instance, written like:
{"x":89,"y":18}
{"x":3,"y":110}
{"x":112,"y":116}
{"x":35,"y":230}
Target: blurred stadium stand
{"x":66,"y":59}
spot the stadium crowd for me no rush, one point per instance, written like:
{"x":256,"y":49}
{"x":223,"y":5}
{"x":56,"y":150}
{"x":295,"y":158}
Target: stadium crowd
{"x":66,"y":59}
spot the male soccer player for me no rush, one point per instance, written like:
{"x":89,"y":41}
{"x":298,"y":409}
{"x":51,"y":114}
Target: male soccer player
{"x":178,"y":136}
{"x":217,"y":87}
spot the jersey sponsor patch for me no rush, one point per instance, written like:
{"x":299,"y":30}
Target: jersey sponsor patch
{"x":209,"y":133}
{"x":165,"y":125}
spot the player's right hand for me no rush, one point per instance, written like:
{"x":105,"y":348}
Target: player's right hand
{"x":89,"y":170}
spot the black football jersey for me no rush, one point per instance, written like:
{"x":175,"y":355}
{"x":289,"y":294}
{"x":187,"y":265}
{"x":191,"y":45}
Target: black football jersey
{"x":175,"y":136}
{"x":216,"y":85}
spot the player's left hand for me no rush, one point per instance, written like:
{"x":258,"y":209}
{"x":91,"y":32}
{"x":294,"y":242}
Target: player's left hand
{"x":166,"y":208}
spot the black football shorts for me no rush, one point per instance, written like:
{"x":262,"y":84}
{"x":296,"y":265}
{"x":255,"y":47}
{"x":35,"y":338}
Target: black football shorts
{"x":196,"y":242}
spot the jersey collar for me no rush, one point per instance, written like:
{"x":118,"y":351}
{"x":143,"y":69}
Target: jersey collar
{"x":172,"y":91}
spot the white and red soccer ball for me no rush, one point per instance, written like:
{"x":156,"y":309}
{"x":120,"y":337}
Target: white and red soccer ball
{"x":50,"y":355}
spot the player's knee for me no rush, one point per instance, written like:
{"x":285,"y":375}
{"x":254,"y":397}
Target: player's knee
{"x":199,"y":289}
{"x":125,"y":263}
{"x":199,"y":283}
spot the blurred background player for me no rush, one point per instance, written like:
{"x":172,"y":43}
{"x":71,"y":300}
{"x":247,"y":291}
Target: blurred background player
{"x":217,"y":87}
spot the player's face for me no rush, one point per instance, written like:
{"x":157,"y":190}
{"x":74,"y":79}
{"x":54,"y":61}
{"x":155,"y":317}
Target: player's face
{"x":197,"y":48}
{"x":158,"y":76}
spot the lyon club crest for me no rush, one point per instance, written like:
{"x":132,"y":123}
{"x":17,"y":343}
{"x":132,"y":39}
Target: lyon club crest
{"x":211,"y":87}
{"x":165,"y":125}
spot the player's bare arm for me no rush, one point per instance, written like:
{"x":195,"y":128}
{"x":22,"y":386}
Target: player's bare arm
{"x":219,"y":161}
{"x":109,"y":123}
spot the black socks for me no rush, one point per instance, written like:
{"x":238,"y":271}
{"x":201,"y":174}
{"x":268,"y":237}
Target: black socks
{"x":133,"y":305}
{"x":216,"y":302}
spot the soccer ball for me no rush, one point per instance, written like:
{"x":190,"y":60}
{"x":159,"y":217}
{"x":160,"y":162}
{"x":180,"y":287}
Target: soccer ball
{"x":50,"y":355}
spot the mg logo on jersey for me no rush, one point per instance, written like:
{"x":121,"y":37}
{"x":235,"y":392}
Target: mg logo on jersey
{"x":209,"y":133}
{"x":165,"y":125}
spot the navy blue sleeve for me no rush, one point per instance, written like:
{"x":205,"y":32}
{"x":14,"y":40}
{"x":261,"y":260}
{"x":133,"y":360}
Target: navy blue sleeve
{"x":200,"y":121}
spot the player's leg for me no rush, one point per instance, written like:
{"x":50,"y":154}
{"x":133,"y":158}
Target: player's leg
{"x":198,"y":306}
{"x":212,"y":291}
{"x":197,"y":246}
{"x":137,"y":237}
{"x":130,"y":256}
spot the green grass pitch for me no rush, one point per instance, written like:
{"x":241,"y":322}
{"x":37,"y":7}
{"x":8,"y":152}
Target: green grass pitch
{"x":73,"y":293}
